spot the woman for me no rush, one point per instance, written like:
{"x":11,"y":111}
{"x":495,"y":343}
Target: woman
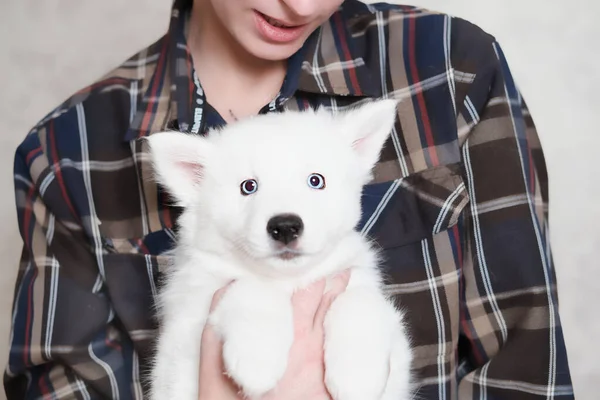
{"x":457,"y":204}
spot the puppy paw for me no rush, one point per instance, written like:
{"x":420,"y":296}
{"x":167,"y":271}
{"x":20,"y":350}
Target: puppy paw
{"x":256,"y":324}
{"x":359,"y":330}
{"x":256,"y":361}
{"x":401,"y":384}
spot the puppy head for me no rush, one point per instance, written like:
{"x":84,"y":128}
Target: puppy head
{"x":278,"y":191}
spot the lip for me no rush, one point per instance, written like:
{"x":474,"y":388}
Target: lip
{"x":288,"y":254}
{"x":277,"y":34}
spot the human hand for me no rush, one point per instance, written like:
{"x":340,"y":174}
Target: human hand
{"x":304,"y":376}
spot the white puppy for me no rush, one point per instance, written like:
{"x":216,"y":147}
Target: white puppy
{"x":272,"y":202}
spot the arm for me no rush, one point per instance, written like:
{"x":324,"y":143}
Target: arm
{"x":513,"y":345}
{"x":64,"y":341}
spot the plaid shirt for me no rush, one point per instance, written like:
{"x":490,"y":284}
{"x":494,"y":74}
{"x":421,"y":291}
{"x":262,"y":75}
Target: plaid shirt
{"x":458,"y":204}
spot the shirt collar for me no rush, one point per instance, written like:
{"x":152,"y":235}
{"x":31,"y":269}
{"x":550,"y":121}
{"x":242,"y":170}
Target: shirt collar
{"x":329,"y":63}
{"x":333,"y":63}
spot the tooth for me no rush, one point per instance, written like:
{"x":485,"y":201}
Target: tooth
{"x":275,"y":22}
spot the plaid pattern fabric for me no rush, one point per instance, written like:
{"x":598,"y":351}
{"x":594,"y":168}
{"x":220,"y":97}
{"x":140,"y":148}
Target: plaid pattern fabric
{"x":458,"y":204}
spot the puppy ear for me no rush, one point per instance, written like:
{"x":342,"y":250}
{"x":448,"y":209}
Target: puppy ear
{"x":178,"y":160}
{"x":369,"y":127}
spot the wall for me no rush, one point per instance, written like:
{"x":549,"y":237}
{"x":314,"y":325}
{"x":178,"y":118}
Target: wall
{"x":50,"y":49}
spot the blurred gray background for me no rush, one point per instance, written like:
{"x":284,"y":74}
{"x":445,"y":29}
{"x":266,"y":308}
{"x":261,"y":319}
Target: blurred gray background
{"x":51,"y":48}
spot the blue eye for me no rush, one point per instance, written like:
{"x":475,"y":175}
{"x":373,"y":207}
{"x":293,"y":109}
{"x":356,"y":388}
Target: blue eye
{"x":316,"y":181}
{"x":248,"y":187}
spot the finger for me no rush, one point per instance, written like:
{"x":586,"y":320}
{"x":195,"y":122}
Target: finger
{"x":305,"y":303}
{"x":213,"y":382}
{"x":338,"y":284}
{"x":211,"y":346}
{"x":210,"y":350}
{"x":217,"y":297}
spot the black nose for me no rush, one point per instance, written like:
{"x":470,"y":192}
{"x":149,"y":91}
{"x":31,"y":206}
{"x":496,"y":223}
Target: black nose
{"x":285,"y":228}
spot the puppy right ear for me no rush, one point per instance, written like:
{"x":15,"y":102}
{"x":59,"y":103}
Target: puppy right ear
{"x":178,"y":160}
{"x":368,"y":127}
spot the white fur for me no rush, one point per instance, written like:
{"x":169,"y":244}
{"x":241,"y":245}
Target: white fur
{"x":223,"y":237}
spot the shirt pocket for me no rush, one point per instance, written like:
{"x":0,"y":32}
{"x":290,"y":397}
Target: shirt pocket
{"x":401,"y":211}
{"x":415,"y":223}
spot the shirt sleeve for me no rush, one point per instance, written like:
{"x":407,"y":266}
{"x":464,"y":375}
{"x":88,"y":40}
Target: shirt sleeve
{"x":512,"y":344}
{"x":65,"y":342}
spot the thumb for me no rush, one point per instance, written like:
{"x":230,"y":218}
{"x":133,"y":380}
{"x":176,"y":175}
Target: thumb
{"x":211,"y":362}
{"x":338,"y":284}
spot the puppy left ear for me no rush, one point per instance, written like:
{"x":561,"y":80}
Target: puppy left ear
{"x":369,"y":126}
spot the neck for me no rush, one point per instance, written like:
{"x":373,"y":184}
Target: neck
{"x":217,"y":54}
